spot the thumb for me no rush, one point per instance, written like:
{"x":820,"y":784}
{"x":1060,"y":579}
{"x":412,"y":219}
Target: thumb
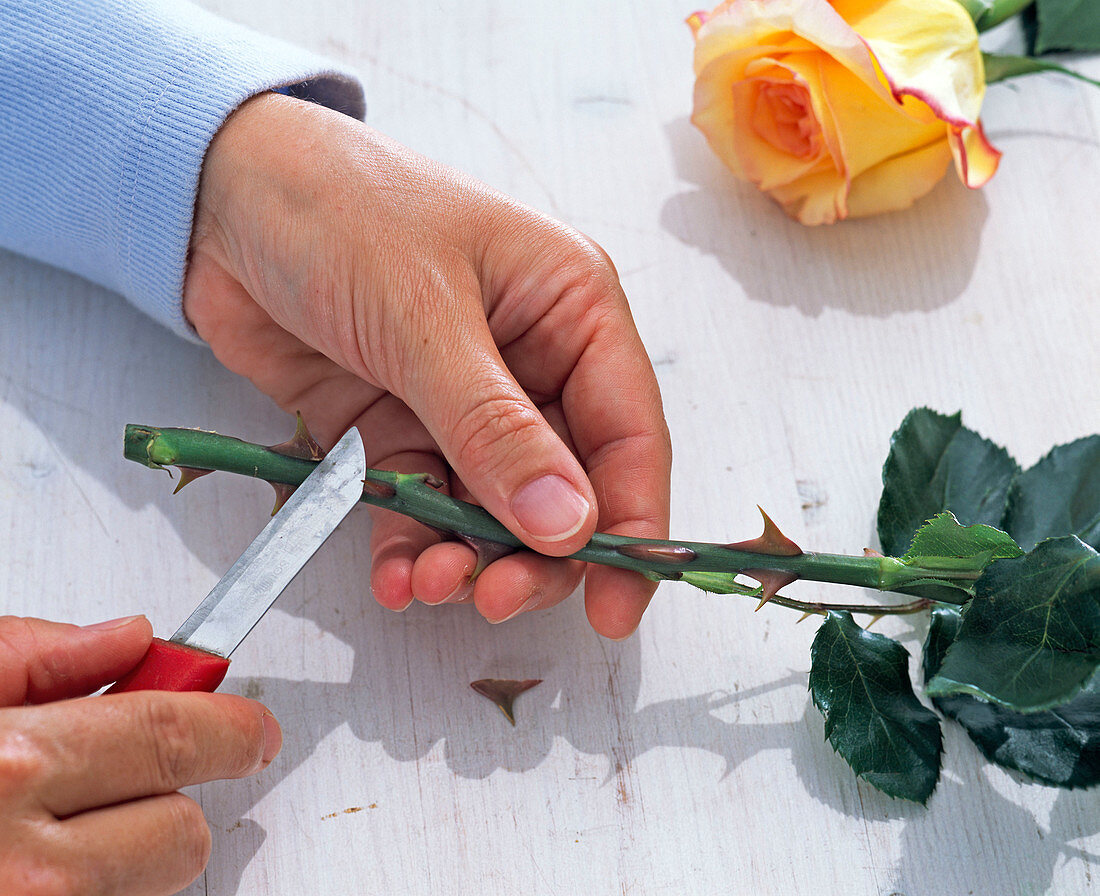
{"x":497,"y":441}
{"x":42,"y":661}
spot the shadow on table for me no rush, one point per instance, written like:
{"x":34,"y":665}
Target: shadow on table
{"x":915,"y":260}
{"x":992,"y":833}
{"x":408,"y":687}
{"x":407,"y":691}
{"x":967,"y":828}
{"x":408,"y":694}
{"x":411,"y":698}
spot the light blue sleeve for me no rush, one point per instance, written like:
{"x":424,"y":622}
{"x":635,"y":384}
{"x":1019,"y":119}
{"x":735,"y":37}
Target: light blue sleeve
{"x":108,"y":108}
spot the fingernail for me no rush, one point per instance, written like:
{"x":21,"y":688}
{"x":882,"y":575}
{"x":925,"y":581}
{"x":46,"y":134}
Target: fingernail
{"x":386,"y":605}
{"x":530,"y":604}
{"x":462,"y":591}
{"x":110,"y":624}
{"x":273,"y":738}
{"x":550,"y":508}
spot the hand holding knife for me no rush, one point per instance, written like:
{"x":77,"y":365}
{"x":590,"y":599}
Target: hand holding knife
{"x":196,"y":657}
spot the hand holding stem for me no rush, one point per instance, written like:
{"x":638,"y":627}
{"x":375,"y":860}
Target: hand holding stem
{"x":472,"y":338}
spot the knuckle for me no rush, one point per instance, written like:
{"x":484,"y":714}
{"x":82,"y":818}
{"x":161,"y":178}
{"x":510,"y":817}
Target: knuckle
{"x":13,"y":626}
{"x":19,"y":635}
{"x":595,"y":258}
{"x":594,"y":293}
{"x":21,"y":763}
{"x":35,"y":875}
{"x":242,"y":738}
{"x":495,"y":433}
{"x":175,"y":750}
{"x":591,"y":265}
{"x":191,"y":835}
{"x":662,"y":438}
{"x":20,"y":659}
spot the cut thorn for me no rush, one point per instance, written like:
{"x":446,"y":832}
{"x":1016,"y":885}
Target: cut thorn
{"x":378,"y":489}
{"x":770,"y":541}
{"x":871,"y":552}
{"x":503,"y":692}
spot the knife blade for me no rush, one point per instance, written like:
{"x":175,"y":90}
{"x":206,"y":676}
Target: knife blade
{"x":196,"y":657}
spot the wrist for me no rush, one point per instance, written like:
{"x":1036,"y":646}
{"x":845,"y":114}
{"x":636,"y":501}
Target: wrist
{"x":239,"y":196}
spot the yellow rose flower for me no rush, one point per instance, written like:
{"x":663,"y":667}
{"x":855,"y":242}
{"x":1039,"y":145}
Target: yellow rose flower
{"x":840,"y":108}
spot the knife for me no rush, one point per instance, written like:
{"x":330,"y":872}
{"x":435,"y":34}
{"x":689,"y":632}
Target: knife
{"x":196,"y":658}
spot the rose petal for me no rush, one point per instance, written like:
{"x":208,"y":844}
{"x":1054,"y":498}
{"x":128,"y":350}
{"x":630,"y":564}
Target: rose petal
{"x":819,"y":198}
{"x":695,"y":20}
{"x":927,"y":49}
{"x":898,"y":182}
{"x":763,"y":160}
{"x":772,"y":27}
{"x":806,"y":69}
{"x":812,"y":98}
{"x":975,"y":158}
{"x":871,"y":129}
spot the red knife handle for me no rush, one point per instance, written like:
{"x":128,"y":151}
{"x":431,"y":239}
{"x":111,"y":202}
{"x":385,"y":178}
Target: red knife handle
{"x":168,"y":666}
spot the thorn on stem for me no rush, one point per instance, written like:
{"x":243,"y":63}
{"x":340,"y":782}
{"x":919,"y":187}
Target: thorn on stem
{"x":486,"y":552}
{"x":771,"y":581}
{"x":189,"y":475}
{"x":770,"y":541}
{"x":658,"y":553}
{"x":282,"y":494}
{"x":301,"y":445}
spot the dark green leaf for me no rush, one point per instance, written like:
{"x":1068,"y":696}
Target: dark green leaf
{"x":860,"y":682}
{"x":1067,"y":25}
{"x":937,"y":464}
{"x":1059,"y":746}
{"x":942,"y":632}
{"x":1060,"y":495}
{"x":1001,"y":67}
{"x":1030,"y":638}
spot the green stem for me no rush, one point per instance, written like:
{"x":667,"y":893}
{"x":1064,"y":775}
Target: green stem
{"x":988,"y":14}
{"x":414,"y":496}
{"x":1002,"y":11}
{"x":1002,"y":66}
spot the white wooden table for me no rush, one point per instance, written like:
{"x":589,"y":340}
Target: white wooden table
{"x":688,"y":759}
